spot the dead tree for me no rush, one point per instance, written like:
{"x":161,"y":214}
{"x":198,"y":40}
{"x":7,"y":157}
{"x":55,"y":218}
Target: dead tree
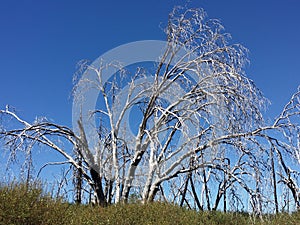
{"x":196,"y":104}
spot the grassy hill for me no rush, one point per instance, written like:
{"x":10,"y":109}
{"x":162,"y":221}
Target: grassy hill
{"x":20,"y":204}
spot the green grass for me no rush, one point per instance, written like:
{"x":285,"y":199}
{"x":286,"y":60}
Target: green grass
{"x":20,"y":204}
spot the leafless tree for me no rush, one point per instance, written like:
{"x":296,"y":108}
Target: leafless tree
{"x":200,"y":124}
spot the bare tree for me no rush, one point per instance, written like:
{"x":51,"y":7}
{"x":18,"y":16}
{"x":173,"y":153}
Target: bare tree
{"x":198,"y":107}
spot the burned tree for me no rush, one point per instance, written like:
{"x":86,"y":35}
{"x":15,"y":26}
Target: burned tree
{"x":198,"y":123}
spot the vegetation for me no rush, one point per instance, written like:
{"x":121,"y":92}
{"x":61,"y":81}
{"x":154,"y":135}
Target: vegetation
{"x":190,"y":131}
{"x":28,"y":204}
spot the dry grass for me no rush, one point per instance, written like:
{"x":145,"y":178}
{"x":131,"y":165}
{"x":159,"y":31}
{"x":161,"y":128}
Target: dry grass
{"x":20,"y":204}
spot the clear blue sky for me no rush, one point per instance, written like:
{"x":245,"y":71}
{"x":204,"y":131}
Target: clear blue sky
{"x":41,"y":42}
